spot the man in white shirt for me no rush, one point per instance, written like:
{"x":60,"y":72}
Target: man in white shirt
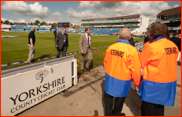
{"x":85,"y":44}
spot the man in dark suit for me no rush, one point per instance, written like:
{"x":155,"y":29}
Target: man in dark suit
{"x":55,"y":32}
{"x":61,"y":42}
{"x":146,"y":38}
{"x":132,"y":41}
{"x":176,"y":40}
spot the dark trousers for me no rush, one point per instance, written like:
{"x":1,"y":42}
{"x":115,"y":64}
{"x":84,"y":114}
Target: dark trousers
{"x":118,"y":105}
{"x":63,"y":50}
{"x":149,"y":109}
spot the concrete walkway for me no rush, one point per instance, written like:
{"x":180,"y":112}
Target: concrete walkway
{"x":85,"y":99}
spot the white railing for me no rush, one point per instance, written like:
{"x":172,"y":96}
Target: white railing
{"x":107,"y":21}
{"x":139,"y":46}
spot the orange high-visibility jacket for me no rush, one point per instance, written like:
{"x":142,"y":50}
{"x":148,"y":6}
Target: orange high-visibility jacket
{"x":121,"y":62}
{"x":159,"y":61}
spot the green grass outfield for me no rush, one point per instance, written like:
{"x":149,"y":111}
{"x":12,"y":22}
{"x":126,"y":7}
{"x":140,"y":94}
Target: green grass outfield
{"x":16,"y":49}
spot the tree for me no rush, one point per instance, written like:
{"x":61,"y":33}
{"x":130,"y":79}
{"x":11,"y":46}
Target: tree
{"x":1,"y":21}
{"x":54,"y":25}
{"x":31,"y":23}
{"x":6,"y":22}
{"x":37,"y":22}
{"x":43,"y":23}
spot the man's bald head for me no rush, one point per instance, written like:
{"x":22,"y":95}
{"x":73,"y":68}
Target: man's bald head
{"x":33,"y":29}
{"x":125,"y":34}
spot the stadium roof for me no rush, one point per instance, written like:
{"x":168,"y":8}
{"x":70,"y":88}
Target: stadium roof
{"x":112,"y":17}
{"x":168,"y":11}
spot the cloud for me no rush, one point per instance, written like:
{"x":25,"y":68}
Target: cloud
{"x":52,"y":18}
{"x":23,"y":9}
{"x":3,"y":19}
{"x":85,"y":5}
{"x":58,"y":15}
{"x":176,"y":5}
{"x":10,"y":20}
{"x":71,"y":13}
{"x":98,"y":4}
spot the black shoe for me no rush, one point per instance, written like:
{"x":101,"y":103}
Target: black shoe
{"x":33,"y":60}
{"x":122,"y":114}
{"x":179,"y":63}
{"x":88,"y":69}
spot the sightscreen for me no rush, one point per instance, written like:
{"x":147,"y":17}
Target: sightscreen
{"x":63,"y":24}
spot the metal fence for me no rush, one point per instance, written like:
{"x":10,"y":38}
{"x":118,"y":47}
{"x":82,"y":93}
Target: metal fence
{"x":139,"y":46}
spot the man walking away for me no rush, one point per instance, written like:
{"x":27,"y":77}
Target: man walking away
{"x":85,"y":44}
{"x":132,"y":42}
{"x":31,"y":43}
{"x":61,"y":42}
{"x":146,"y":39}
{"x":177,"y":41}
{"x":55,"y":33}
{"x":121,"y":62}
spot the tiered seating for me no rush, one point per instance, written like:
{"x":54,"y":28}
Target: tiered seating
{"x":14,"y":30}
{"x":71,"y":31}
{"x":59,"y":31}
{"x":44,"y":27}
{"x":92,"y":31}
{"x":27,"y":31}
{"x":101,"y":31}
{"x":80,"y":31}
{"x":54,"y":30}
{"x":96,"y":32}
{"x":44,"y":31}
{"x":113,"y":31}
{"x":29,"y":27}
{"x":105,"y":31}
{"x":18,"y":27}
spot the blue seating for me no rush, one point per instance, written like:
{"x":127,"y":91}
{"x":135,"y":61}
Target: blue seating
{"x":18,"y":27}
{"x":92,"y":31}
{"x":59,"y":31}
{"x":14,"y":30}
{"x":44,"y":27}
{"x":27,"y":31}
{"x":36,"y":27}
{"x":54,"y":30}
{"x":71,"y":31}
{"x":80,"y":31}
{"x":44,"y":31}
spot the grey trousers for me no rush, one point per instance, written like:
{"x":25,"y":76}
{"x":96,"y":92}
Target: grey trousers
{"x":90,"y":57}
{"x":63,"y":50}
{"x":31,"y":53}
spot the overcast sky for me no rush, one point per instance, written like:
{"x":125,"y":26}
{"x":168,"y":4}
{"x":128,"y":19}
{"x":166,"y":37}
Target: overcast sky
{"x":73,"y":11}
